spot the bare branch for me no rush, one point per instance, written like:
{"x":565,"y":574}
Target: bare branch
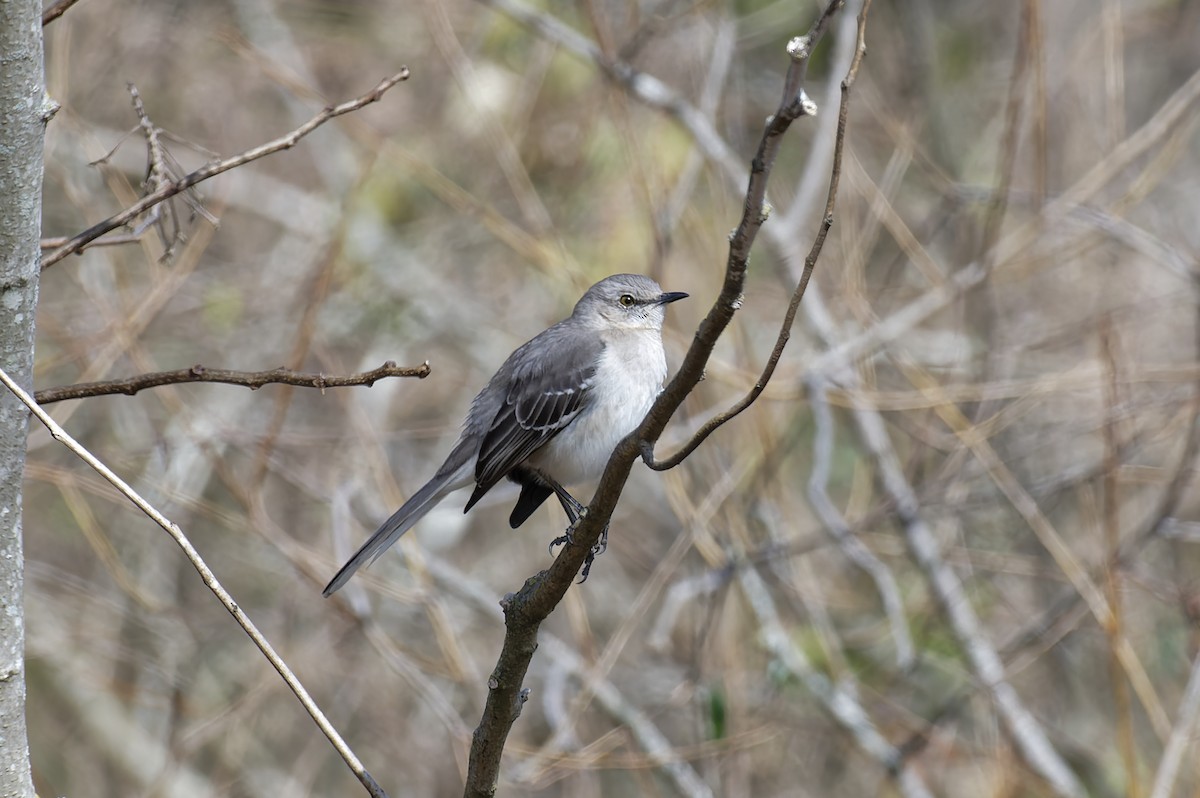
{"x":210,"y":579}
{"x":56,"y":10}
{"x":111,"y":241}
{"x":785,"y":329}
{"x":159,"y":175}
{"x":247,"y":379}
{"x":170,"y":189}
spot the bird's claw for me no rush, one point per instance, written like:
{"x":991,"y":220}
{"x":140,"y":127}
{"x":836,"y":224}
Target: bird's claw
{"x":569,"y":537}
{"x":600,"y":547}
{"x":587,"y":566}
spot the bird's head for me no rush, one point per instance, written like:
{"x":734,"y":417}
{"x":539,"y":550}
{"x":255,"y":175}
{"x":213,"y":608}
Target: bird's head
{"x":629,"y":301}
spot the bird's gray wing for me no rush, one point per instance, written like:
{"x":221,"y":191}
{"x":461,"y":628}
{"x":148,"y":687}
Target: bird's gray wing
{"x":549,"y":386}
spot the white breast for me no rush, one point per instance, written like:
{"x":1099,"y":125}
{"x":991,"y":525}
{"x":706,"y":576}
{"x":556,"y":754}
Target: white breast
{"x":628,"y":379}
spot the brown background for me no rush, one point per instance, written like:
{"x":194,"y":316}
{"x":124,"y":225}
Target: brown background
{"x":468,"y":210}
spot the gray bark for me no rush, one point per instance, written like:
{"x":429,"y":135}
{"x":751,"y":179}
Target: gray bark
{"x":23,"y":111}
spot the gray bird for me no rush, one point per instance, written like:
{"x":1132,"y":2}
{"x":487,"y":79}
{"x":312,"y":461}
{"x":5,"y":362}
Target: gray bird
{"x":553,"y":413}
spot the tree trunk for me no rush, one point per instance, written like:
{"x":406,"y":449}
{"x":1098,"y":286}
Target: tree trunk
{"x":23,"y":112}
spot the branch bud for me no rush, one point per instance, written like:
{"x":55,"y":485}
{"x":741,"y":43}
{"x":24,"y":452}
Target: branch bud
{"x":798,"y":48}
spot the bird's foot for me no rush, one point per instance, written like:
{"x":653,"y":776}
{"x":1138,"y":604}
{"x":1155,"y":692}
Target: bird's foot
{"x":569,"y":535}
{"x":596,"y":550}
{"x":600,"y":547}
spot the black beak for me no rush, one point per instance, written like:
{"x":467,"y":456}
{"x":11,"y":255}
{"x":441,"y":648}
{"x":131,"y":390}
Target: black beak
{"x":672,"y":296}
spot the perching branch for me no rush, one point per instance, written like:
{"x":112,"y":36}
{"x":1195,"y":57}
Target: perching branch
{"x":247,"y":379}
{"x":810,"y":262}
{"x":210,"y":580}
{"x":171,"y":188}
{"x":525,"y":610}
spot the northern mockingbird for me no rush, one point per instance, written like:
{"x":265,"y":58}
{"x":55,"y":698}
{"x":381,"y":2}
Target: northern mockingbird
{"x":553,"y":413}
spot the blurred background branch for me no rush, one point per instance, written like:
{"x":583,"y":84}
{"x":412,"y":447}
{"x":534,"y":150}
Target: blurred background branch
{"x":164,"y":188}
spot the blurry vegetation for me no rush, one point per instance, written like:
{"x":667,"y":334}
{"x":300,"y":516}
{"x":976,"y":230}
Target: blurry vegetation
{"x":412,"y":237}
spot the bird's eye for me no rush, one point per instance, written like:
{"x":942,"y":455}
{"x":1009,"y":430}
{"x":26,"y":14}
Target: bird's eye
{"x":626,"y":300}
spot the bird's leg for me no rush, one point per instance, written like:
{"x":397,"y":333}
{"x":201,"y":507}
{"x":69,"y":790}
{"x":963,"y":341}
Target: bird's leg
{"x":569,"y":535}
{"x":576,"y":512}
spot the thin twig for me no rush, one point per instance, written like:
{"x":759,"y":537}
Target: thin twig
{"x":111,"y":241}
{"x":56,"y":10}
{"x":210,"y":580}
{"x":851,"y":546}
{"x":159,"y":175}
{"x":711,"y":426}
{"x":170,"y":189}
{"x":247,"y":379}
{"x":810,"y":262}
{"x":818,"y":157}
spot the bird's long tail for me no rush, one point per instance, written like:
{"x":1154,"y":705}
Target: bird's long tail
{"x":401,"y":521}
